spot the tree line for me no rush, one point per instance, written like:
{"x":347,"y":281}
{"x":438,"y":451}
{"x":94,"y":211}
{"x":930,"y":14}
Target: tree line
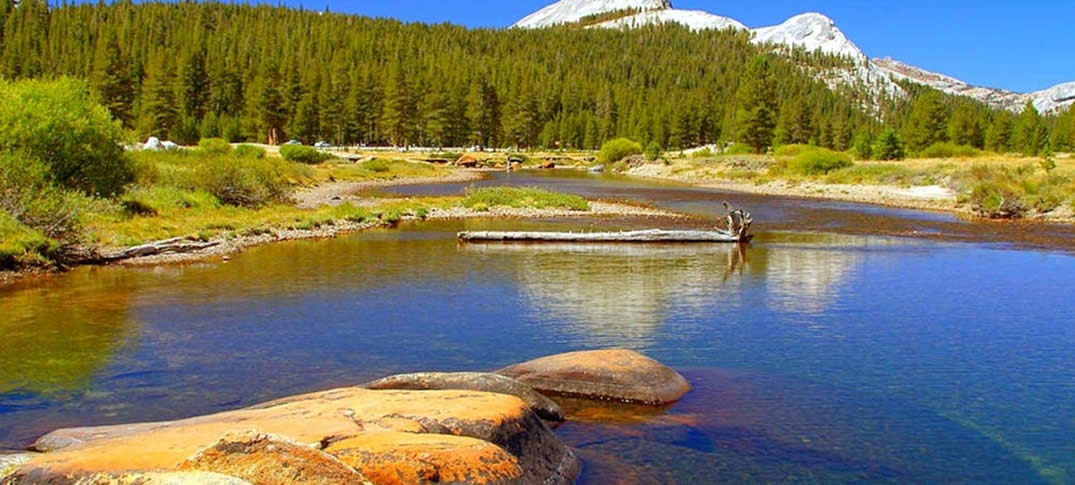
{"x":188,"y":70}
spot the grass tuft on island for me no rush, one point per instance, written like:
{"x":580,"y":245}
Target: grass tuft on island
{"x":522,"y":198}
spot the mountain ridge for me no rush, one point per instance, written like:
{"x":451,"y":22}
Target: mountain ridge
{"x":811,"y":31}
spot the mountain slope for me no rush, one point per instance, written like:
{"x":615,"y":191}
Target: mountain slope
{"x":567,"y":11}
{"x":1048,"y":100}
{"x":812,"y":31}
{"x":693,"y":19}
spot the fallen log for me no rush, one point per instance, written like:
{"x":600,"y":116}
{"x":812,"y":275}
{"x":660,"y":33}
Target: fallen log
{"x":650,"y":235}
{"x":174,"y":245}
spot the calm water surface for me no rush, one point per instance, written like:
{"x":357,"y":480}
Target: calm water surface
{"x":816,"y":355}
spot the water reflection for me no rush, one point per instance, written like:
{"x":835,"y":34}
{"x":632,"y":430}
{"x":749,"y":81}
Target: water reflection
{"x":56,"y":336}
{"x":621,"y":294}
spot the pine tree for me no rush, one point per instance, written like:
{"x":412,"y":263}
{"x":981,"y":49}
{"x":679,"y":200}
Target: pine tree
{"x":399,"y":108}
{"x":756,"y":109}
{"x":438,"y":120}
{"x":889,"y":146}
{"x":998,"y":136}
{"x":270,"y":112}
{"x":306,"y":125}
{"x":159,"y":114}
{"x":483,"y":113}
{"x":112,"y":81}
{"x":928,"y":123}
{"x":963,"y":128}
{"x":1028,"y":137}
{"x":194,"y":84}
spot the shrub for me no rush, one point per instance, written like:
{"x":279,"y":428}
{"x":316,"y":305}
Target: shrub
{"x":28,"y":196}
{"x":819,"y":161}
{"x":242,"y":181}
{"x":378,"y":166}
{"x":304,"y":154}
{"x":792,"y":150}
{"x":21,"y":245}
{"x":522,"y":197}
{"x":703,"y":153}
{"x":618,"y":149}
{"x":56,"y":121}
{"x":863,"y":146}
{"x":214,"y":146}
{"x":155,"y":199}
{"x":949,"y":150}
{"x":249,"y":151}
{"x":653,"y":151}
{"x":739,"y":149}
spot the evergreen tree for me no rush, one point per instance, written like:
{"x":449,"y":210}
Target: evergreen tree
{"x":928,"y":123}
{"x":963,"y":128}
{"x":889,"y":146}
{"x":159,"y":115}
{"x":306,"y":126}
{"x":270,"y":113}
{"x":1028,"y":135}
{"x":194,"y":84}
{"x":998,"y":136}
{"x":438,"y":120}
{"x":483,"y":113}
{"x":112,"y":81}
{"x":756,"y":109}
{"x":863,"y":145}
{"x":399,"y":108}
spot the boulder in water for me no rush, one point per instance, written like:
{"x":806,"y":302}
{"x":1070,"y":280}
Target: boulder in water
{"x":472,"y":381}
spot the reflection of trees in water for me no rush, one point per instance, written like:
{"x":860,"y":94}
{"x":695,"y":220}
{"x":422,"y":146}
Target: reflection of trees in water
{"x":621,"y":294}
{"x":56,"y":335}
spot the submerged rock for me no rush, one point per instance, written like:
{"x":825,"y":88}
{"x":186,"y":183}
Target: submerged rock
{"x":472,"y":381}
{"x":614,"y":374}
{"x":272,"y":460}
{"x":314,"y":420}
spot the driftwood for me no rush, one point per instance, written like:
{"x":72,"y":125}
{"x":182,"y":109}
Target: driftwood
{"x":738,"y":231}
{"x":174,"y":245}
{"x":651,"y":235}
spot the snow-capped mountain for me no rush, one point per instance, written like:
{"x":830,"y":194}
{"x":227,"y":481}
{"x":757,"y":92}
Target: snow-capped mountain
{"x":812,"y":31}
{"x":568,"y":11}
{"x":1048,"y":100}
{"x":694,"y":19}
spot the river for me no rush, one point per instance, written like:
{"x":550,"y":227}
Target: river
{"x":831,"y":350}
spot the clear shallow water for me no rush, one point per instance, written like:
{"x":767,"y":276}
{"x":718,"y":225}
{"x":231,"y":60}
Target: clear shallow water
{"x":815,"y":356}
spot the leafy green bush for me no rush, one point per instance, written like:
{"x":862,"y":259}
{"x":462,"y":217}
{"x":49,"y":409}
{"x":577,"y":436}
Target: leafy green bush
{"x":618,"y":149}
{"x":792,"y":150}
{"x":56,"y":121}
{"x":653,"y":151}
{"x":28,"y":196}
{"x":215,"y":146}
{"x":739,"y":149}
{"x":378,"y":166}
{"x":949,"y":150}
{"x":863,"y":146}
{"x":522,"y":197}
{"x":249,"y":151}
{"x":303,"y":154}
{"x":703,"y":153}
{"x":244,"y":182}
{"x":819,"y":161}
{"x":1010,"y":193}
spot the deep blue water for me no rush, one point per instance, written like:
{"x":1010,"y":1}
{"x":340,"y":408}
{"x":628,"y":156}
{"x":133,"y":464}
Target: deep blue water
{"x":815,"y":356}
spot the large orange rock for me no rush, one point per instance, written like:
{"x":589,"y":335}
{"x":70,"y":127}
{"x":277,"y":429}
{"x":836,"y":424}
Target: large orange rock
{"x":395,"y":458}
{"x":472,"y":381}
{"x":140,"y":478}
{"x":265,"y":459}
{"x":614,"y":374}
{"x":316,"y":420}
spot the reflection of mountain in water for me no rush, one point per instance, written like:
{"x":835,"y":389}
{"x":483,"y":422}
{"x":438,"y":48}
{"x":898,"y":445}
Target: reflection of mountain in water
{"x":609,"y":294}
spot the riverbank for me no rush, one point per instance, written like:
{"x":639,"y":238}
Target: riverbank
{"x":933,"y":185}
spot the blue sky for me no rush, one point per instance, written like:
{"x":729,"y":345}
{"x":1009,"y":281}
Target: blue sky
{"x":1019,"y":45}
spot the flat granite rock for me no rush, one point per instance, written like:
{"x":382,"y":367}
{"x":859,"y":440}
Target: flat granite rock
{"x":395,"y":458}
{"x":613,"y":375}
{"x":472,"y":381}
{"x":315,"y":420}
{"x":266,"y":459}
{"x":137,"y":478}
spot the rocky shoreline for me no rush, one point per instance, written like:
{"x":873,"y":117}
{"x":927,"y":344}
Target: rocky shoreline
{"x":464,"y":428}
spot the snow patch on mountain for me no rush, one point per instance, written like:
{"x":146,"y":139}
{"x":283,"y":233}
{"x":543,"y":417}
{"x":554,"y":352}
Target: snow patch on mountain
{"x":811,"y":31}
{"x":693,"y":19}
{"x":568,"y":11}
{"x":1048,"y":100}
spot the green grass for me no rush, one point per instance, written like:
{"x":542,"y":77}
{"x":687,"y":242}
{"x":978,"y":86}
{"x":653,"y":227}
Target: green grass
{"x":379,"y":169}
{"x":1014,"y":192}
{"x":523,"y":198}
{"x":882,"y":174}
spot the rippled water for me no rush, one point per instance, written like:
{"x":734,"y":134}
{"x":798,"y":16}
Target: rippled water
{"x":816,"y":356}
